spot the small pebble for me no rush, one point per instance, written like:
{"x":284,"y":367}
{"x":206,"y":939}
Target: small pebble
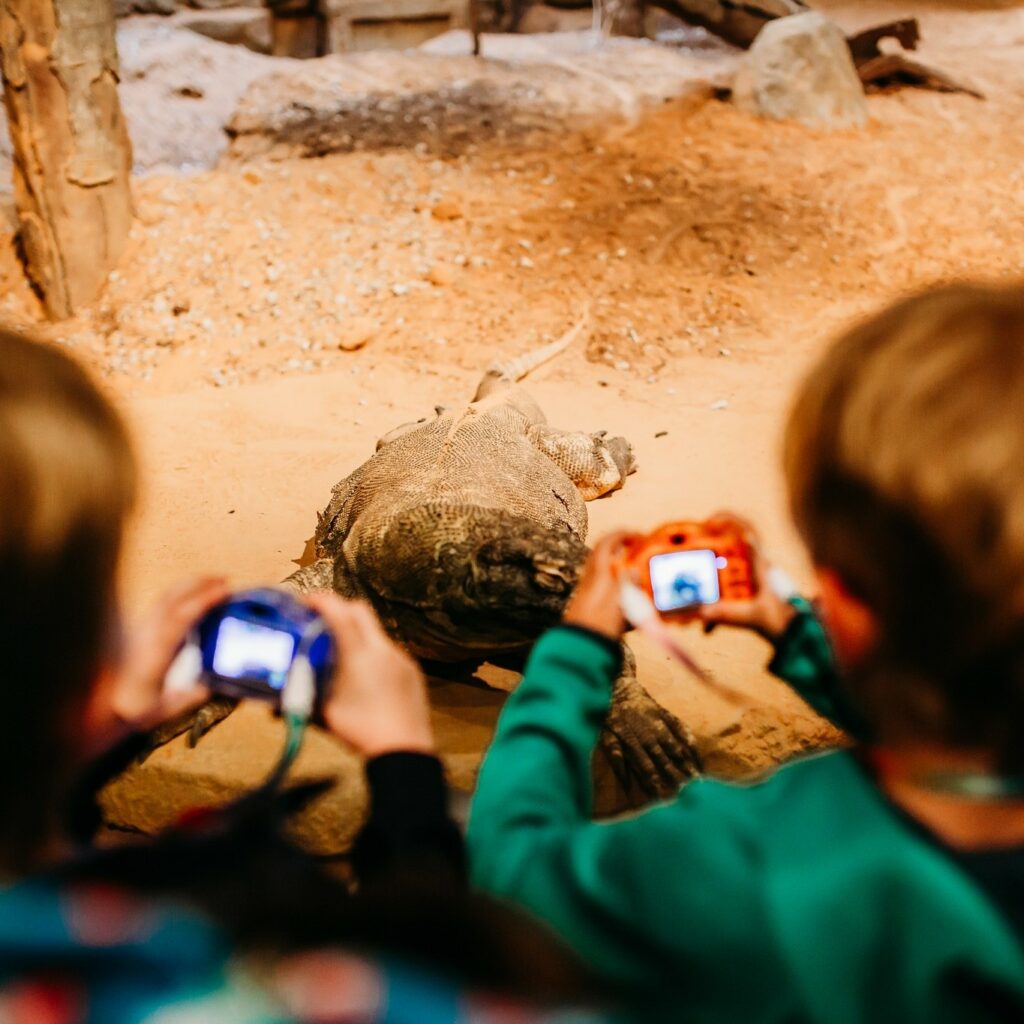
{"x":446,"y":210}
{"x":356,"y":332}
{"x":719,"y":405}
{"x":440,"y":275}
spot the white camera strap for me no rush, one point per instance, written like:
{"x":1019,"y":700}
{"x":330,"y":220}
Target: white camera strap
{"x":641,"y":613}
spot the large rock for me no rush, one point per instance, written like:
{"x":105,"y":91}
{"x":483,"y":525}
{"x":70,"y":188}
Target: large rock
{"x":446,"y":102}
{"x":799,"y":68}
{"x":242,"y":26}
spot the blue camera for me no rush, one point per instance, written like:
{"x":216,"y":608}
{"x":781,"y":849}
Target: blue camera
{"x":253,"y":643}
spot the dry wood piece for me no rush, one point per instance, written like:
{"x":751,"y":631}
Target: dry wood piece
{"x":739,"y":22}
{"x":72,"y":157}
{"x":736,"y":21}
{"x":878,"y":70}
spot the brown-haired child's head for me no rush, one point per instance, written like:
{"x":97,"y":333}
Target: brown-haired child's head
{"x":904,"y":459}
{"x":67,"y":482}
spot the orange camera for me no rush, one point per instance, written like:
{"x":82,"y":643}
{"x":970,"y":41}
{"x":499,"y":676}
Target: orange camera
{"x":683,"y":565}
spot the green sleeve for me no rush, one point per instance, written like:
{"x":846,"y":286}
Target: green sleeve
{"x":537,"y":769}
{"x":601,"y":885}
{"x":804,"y":659}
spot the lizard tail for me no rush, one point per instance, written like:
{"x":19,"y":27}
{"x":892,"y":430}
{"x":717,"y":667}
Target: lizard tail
{"x":518,"y":368}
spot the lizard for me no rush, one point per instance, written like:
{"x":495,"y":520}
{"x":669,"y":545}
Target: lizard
{"x":466,"y":533}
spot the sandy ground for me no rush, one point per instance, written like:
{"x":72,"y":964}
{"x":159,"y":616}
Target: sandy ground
{"x":716,"y":255}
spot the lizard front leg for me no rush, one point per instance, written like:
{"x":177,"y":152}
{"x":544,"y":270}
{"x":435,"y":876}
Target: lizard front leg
{"x":596,"y":463}
{"x":645,"y":742}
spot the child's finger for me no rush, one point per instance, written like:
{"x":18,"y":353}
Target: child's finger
{"x":609,"y":547}
{"x":724,"y":518}
{"x":183,"y":592}
{"x":201,"y":601}
{"x":353,"y":623}
{"x":731,"y":613}
{"x":340,"y":618}
{"x":177,"y":702}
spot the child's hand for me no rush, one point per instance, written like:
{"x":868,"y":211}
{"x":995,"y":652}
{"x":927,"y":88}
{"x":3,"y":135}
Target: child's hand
{"x":134,"y":692}
{"x":378,"y":700}
{"x":595,"y":601}
{"x":767,"y":612}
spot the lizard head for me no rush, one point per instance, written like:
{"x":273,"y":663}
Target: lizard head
{"x":477,"y":579}
{"x":523,"y":567}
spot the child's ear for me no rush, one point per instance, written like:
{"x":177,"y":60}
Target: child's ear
{"x":852,"y":625}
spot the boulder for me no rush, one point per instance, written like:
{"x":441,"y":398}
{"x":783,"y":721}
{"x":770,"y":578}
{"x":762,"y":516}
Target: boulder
{"x":799,"y":68}
{"x":242,"y":26}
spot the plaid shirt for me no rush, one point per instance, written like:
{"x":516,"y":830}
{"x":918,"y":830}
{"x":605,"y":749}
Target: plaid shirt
{"x":94,"y":955}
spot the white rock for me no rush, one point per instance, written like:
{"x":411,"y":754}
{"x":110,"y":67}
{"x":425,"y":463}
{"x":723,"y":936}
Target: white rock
{"x":799,"y":68}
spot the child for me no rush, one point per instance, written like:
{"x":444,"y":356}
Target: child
{"x":92,"y":937}
{"x":883,"y":883}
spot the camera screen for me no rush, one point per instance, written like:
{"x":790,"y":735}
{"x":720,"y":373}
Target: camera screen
{"x":681,"y":579}
{"x":247,"y":650}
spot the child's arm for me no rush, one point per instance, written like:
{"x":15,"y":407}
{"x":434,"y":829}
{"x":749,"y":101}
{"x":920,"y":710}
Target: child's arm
{"x":601,"y":886}
{"x":803,"y":655}
{"x":803,"y":658}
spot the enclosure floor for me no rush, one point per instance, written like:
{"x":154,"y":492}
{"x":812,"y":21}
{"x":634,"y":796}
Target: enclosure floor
{"x":716,"y":254}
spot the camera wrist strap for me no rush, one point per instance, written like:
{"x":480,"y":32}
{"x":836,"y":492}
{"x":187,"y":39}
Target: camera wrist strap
{"x":298,"y":699}
{"x":640,"y":612}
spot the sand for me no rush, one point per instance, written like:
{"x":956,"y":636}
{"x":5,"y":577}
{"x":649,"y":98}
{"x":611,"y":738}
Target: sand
{"x":716,"y":254}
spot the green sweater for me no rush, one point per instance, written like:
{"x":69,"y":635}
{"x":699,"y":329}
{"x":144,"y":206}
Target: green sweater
{"x":805,"y":897}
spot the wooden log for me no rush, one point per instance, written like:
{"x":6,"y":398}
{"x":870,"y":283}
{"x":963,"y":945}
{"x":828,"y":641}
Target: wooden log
{"x":736,"y":21}
{"x":72,"y":156}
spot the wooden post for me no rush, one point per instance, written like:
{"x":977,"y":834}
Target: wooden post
{"x":72,"y":157}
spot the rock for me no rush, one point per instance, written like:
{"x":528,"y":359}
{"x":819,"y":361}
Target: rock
{"x":440,"y":274}
{"x":799,"y":68}
{"x":443,"y":102}
{"x":357,"y":332}
{"x":446,"y":210}
{"x":242,"y":27}
{"x":232,"y":760}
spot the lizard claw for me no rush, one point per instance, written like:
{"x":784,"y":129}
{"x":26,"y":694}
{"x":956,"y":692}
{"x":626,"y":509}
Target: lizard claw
{"x":210,"y":714}
{"x":646,"y":744}
{"x":623,"y":455}
{"x":196,"y":723}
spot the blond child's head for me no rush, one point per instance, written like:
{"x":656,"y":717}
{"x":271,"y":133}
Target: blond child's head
{"x":67,"y":482}
{"x":905,"y":464}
